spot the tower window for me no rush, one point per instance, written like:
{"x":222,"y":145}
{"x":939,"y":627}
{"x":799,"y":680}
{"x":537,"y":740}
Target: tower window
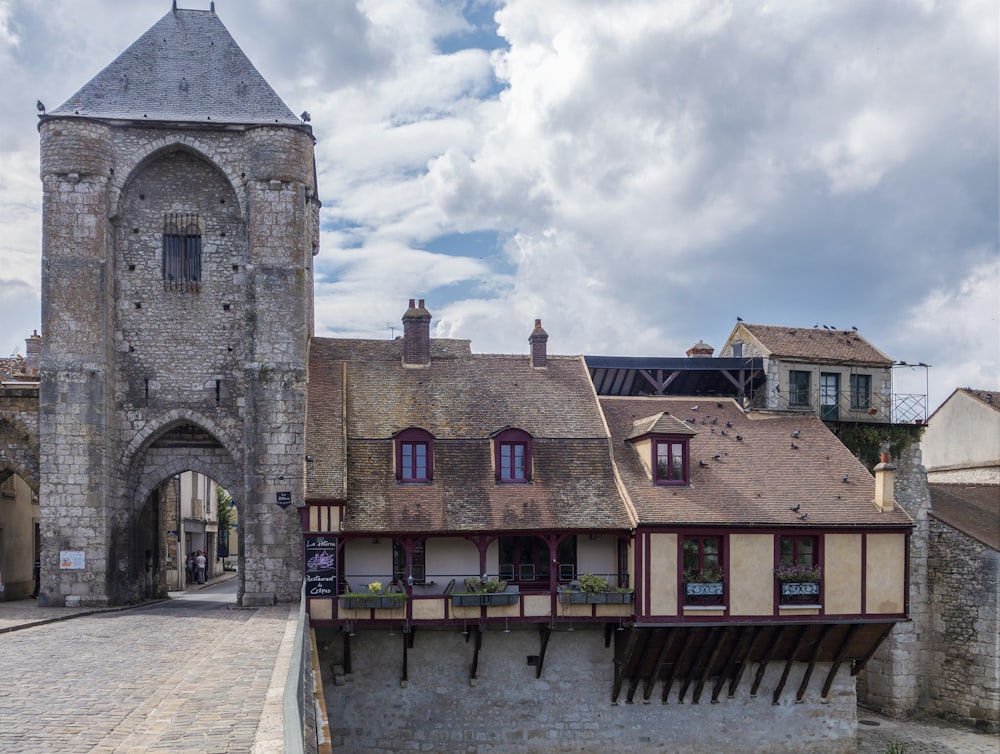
{"x":182,"y":252}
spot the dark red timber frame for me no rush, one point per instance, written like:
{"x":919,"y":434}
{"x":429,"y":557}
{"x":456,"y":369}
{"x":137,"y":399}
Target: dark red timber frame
{"x":684,"y":443}
{"x":644,"y":576}
{"x":511,"y":437}
{"x":723,"y":536}
{"x":819,"y":540}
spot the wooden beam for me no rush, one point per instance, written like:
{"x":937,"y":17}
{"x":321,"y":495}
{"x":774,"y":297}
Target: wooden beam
{"x":647,"y":689}
{"x":705,"y":647}
{"x":544,"y":632}
{"x":406,"y":649}
{"x":475,"y":653}
{"x":812,"y":661}
{"x":620,"y":665}
{"x":766,"y":659}
{"x":859,"y":664}
{"x":669,"y":680}
{"x":788,"y":664}
{"x":720,"y":634}
{"x":637,"y":676}
{"x":727,"y":669}
{"x":839,"y":659}
{"x":347,"y":652}
{"x":744,"y":661}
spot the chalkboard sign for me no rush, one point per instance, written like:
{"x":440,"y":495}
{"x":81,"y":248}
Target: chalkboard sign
{"x":321,"y":567}
{"x":284,"y":499}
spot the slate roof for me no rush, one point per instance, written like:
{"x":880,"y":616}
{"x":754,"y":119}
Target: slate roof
{"x":187,"y":67}
{"x":814,"y":344}
{"x":756,"y":479}
{"x":461,"y":399}
{"x":973,"y":509}
{"x":990,"y":398}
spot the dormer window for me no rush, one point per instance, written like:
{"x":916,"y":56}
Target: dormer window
{"x":414,"y":456}
{"x":671,"y":460}
{"x":512,"y":456}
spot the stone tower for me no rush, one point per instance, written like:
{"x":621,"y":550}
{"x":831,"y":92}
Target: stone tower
{"x":180,"y":221}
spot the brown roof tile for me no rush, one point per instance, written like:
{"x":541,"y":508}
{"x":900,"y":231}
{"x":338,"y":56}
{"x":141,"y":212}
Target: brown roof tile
{"x":973,"y":509}
{"x":757,"y":475}
{"x":814,"y":344}
{"x":989,"y":397}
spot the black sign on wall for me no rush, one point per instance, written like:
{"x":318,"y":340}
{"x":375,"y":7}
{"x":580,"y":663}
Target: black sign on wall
{"x":321,"y":567}
{"x":284,"y":499}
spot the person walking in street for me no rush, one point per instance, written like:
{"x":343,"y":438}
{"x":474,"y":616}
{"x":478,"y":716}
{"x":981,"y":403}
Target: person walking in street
{"x":200,"y":562}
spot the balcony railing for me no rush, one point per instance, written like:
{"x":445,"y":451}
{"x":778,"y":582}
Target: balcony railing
{"x":844,"y":405}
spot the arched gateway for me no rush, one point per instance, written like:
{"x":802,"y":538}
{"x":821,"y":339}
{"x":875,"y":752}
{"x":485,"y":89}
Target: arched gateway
{"x":180,"y":224}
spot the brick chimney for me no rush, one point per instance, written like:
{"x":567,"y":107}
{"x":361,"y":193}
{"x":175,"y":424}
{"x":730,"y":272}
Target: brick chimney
{"x":885,"y":480}
{"x":33,"y":354}
{"x":701,"y":349}
{"x":417,"y":336}
{"x":538,"y":340}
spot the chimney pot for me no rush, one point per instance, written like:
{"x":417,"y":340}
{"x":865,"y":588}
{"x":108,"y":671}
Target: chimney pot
{"x":417,"y":336}
{"x":538,"y":340}
{"x":885,"y":482}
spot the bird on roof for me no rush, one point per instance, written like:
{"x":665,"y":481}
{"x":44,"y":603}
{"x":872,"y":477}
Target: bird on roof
{"x":702,"y":464}
{"x":695,"y":407}
{"x":40,"y":107}
{"x":796,"y":433}
{"x":717,"y":457}
{"x":804,"y":516}
{"x":794,"y":446}
{"x":854,"y":328}
{"x":845,"y":479}
{"x":739,"y":437}
{"x":739,"y":319}
{"x":795,"y":508}
{"x":306,"y":117}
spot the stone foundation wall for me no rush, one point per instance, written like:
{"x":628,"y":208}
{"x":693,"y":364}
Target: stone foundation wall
{"x":507,"y":710}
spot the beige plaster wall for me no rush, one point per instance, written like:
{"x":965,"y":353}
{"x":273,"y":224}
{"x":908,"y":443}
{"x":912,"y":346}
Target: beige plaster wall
{"x":885,"y":573}
{"x":663,"y":570}
{"x":842,"y":573}
{"x":751,"y":574}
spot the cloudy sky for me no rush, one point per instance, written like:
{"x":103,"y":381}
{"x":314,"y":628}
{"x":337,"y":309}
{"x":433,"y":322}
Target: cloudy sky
{"x":636,"y":174}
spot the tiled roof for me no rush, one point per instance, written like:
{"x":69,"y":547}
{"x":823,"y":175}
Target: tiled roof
{"x":187,"y":67}
{"x":990,"y":397}
{"x":973,"y":509}
{"x":13,"y":369}
{"x":814,"y":344}
{"x":661,"y":424}
{"x":461,"y":399}
{"x":751,"y":474}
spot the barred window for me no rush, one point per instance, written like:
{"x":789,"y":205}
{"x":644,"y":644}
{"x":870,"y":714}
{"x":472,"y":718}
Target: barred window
{"x":182,"y":252}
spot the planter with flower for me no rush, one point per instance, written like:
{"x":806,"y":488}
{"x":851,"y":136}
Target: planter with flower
{"x":591,"y":589}
{"x":799,"y":584}
{"x":488,"y":592}
{"x":375,"y":597}
{"x":703,"y":586}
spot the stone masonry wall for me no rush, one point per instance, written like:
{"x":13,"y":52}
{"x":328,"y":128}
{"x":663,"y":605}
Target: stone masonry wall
{"x":965,"y":608}
{"x":506,"y":710}
{"x":127,"y":359}
{"x":894,"y":680}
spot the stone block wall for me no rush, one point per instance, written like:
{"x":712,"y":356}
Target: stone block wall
{"x":507,"y":709}
{"x":965,"y":609}
{"x":128,"y":357}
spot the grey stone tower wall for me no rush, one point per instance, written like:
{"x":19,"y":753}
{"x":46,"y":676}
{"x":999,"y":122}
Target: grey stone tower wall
{"x":126,"y":358}
{"x":894,"y":680}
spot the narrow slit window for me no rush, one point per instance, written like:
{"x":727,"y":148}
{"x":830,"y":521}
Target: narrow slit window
{"x":182,"y":252}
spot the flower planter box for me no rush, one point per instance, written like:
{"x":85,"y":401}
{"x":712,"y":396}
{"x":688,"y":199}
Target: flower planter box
{"x":484,"y":599}
{"x":703,"y":593}
{"x":799,"y":592}
{"x":373,"y":602}
{"x":592,"y":598}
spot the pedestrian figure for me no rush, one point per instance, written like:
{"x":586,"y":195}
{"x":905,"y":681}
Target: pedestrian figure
{"x":200,"y":562}
{"x":189,"y":567}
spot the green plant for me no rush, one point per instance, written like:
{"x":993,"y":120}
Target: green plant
{"x":477,"y":585}
{"x":375,"y":587}
{"x":895,"y":747}
{"x":867,"y":441}
{"x":703,"y":576}
{"x":798,"y":574}
{"x":592,"y":584}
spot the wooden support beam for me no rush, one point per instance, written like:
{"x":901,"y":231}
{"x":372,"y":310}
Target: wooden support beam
{"x":347,"y":652}
{"x":744,"y":661}
{"x":475,"y":653}
{"x":705,"y":647}
{"x":637,"y":676}
{"x":544,"y":632}
{"x":669,"y":680}
{"x":406,"y":650}
{"x":727,"y":669}
{"x":859,"y":664}
{"x":788,"y":664}
{"x":665,"y":647}
{"x":621,"y":664}
{"x":825,"y":631}
{"x":609,"y":631}
{"x":766,"y":659}
{"x":718,"y":634}
{"x":839,"y":659}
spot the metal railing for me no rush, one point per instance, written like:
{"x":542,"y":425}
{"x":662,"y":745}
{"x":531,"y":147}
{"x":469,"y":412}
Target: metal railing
{"x":843,"y":405}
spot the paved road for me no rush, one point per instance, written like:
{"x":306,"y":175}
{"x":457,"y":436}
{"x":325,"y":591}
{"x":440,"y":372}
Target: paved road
{"x":192,"y":674}
{"x":919,"y":736}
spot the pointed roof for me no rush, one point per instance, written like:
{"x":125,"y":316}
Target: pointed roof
{"x":659,"y":424}
{"x":187,"y":67}
{"x":814,"y":343}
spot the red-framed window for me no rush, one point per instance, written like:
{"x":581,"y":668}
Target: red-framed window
{"x":512,"y":456}
{"x":799,"y":550}
{"x":704,"y":573}
{"x":414,"y":455}
{"x":526,"y":559}
{"x":797,"y":572}
{"x":670,"y":460}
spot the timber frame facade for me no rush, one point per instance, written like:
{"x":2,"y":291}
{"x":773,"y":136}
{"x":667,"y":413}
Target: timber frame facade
{"x":692,"y":516}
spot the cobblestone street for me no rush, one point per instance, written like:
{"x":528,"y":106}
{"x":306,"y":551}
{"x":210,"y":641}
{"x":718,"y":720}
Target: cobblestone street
{"x":921,"y":736}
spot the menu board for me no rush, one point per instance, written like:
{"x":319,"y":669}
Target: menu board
{"x":321,"y":567}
